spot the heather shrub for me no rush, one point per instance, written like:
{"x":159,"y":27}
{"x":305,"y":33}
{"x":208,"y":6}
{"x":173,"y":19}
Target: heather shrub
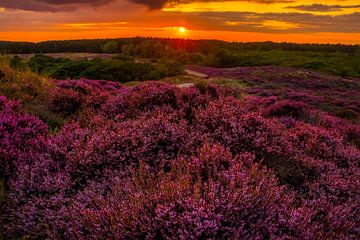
{"x":207,"y":88}
{"x":189,"y":100}
{"x":145,"y":97}
{"x":322,"y":91}
{"x":227,"y":121}
{"x":20,"y":134}
{"x":286,"y":108}
{"x":65,"y":101}
{"x":86,"y":86}
{"x":156,"y":161}
{"x":119,"y":146}
{"x":81,"y":98}
{"x":179,"y":205}
{"x":323,"y":144}
{"x":352,"y":135}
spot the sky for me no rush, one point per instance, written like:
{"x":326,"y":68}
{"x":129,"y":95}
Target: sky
{"x":330,"y":21}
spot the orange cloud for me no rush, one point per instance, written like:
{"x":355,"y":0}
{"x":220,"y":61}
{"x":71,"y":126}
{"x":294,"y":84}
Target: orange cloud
{"x":235,"y":20}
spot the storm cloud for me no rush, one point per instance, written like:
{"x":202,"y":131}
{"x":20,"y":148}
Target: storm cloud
{"x":50,"y":5}
{"x":63,"y":5}
{"x":158,"y":4}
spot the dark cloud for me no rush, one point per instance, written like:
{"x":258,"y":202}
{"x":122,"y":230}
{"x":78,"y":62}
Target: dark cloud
{"x":158,"y":4}
{"x":316,"y":7}
{"x":50,"y":5}
{"x":64,"y":5}
{"x":94,"y":2}
{"x":261,"y":22}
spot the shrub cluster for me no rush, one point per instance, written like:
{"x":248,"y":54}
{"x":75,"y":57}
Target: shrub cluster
{"x":118,"y":69}
{"x":160,"y":162}
{"x":329,"y":93}
{"x":69,"y":97}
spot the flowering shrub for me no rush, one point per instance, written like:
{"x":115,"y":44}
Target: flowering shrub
{"x":65,"y":101}
{"x":86,"y":86}
{"x":68,"y":97}
{"x":160,"y":162}
{"x":330,"y":93}
{"x":286,"y":108}
{"x":352,"y":134}
{"x":20,"y":135}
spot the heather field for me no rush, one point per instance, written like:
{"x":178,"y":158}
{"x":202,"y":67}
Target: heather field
{"x":338,"y":95}
{"x":179,"y":120}
{"x":245,"y":153}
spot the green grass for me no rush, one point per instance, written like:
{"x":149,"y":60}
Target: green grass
{"x":31,"y":89}
{"x":131,"y":84}
{"x":21,"y":84}
{"x":336,"y":63}
{"x":231,"y":83}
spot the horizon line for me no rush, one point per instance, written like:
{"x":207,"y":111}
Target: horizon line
{"x":178,"y":38}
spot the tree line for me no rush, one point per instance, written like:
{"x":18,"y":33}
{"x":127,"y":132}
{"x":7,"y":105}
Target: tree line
{"x":202,"y":46}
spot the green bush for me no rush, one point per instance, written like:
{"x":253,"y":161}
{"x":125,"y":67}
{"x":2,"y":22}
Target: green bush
{"x":111,"y":47}
{"x":121,"y":68}
{"x":17,"y":63}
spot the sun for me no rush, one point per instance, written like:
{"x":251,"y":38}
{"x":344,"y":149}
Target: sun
{"x":182,"y":29}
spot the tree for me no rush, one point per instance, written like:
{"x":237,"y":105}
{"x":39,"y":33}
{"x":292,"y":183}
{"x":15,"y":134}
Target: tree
{"x":111,"y":47}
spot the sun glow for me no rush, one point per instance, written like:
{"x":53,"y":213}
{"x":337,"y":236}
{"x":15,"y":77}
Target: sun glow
{"x":182,"y":29}
{"x":261,"y":6}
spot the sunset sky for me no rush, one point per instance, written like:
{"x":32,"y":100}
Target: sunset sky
{"x":330,"y":21}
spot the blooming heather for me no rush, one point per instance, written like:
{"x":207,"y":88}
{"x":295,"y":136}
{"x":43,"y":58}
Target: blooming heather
{"x":156,"y":161}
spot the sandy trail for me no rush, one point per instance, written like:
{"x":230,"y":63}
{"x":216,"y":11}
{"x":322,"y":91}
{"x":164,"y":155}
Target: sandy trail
{"x":196,"y":74}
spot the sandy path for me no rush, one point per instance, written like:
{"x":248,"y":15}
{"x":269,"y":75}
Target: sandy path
{"x":196,"y":74}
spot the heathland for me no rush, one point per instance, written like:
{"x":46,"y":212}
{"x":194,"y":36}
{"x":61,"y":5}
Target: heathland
{"x":179,"y":139}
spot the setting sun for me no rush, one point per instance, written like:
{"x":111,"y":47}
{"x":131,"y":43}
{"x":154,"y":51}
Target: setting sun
{"x":182,"y":29}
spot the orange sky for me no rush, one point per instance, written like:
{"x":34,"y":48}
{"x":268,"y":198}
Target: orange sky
{"x":332,"y":21}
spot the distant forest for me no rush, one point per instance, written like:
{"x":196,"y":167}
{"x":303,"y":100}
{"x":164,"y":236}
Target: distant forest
{"x":338,"y":59}
{"x":202,"y":46}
